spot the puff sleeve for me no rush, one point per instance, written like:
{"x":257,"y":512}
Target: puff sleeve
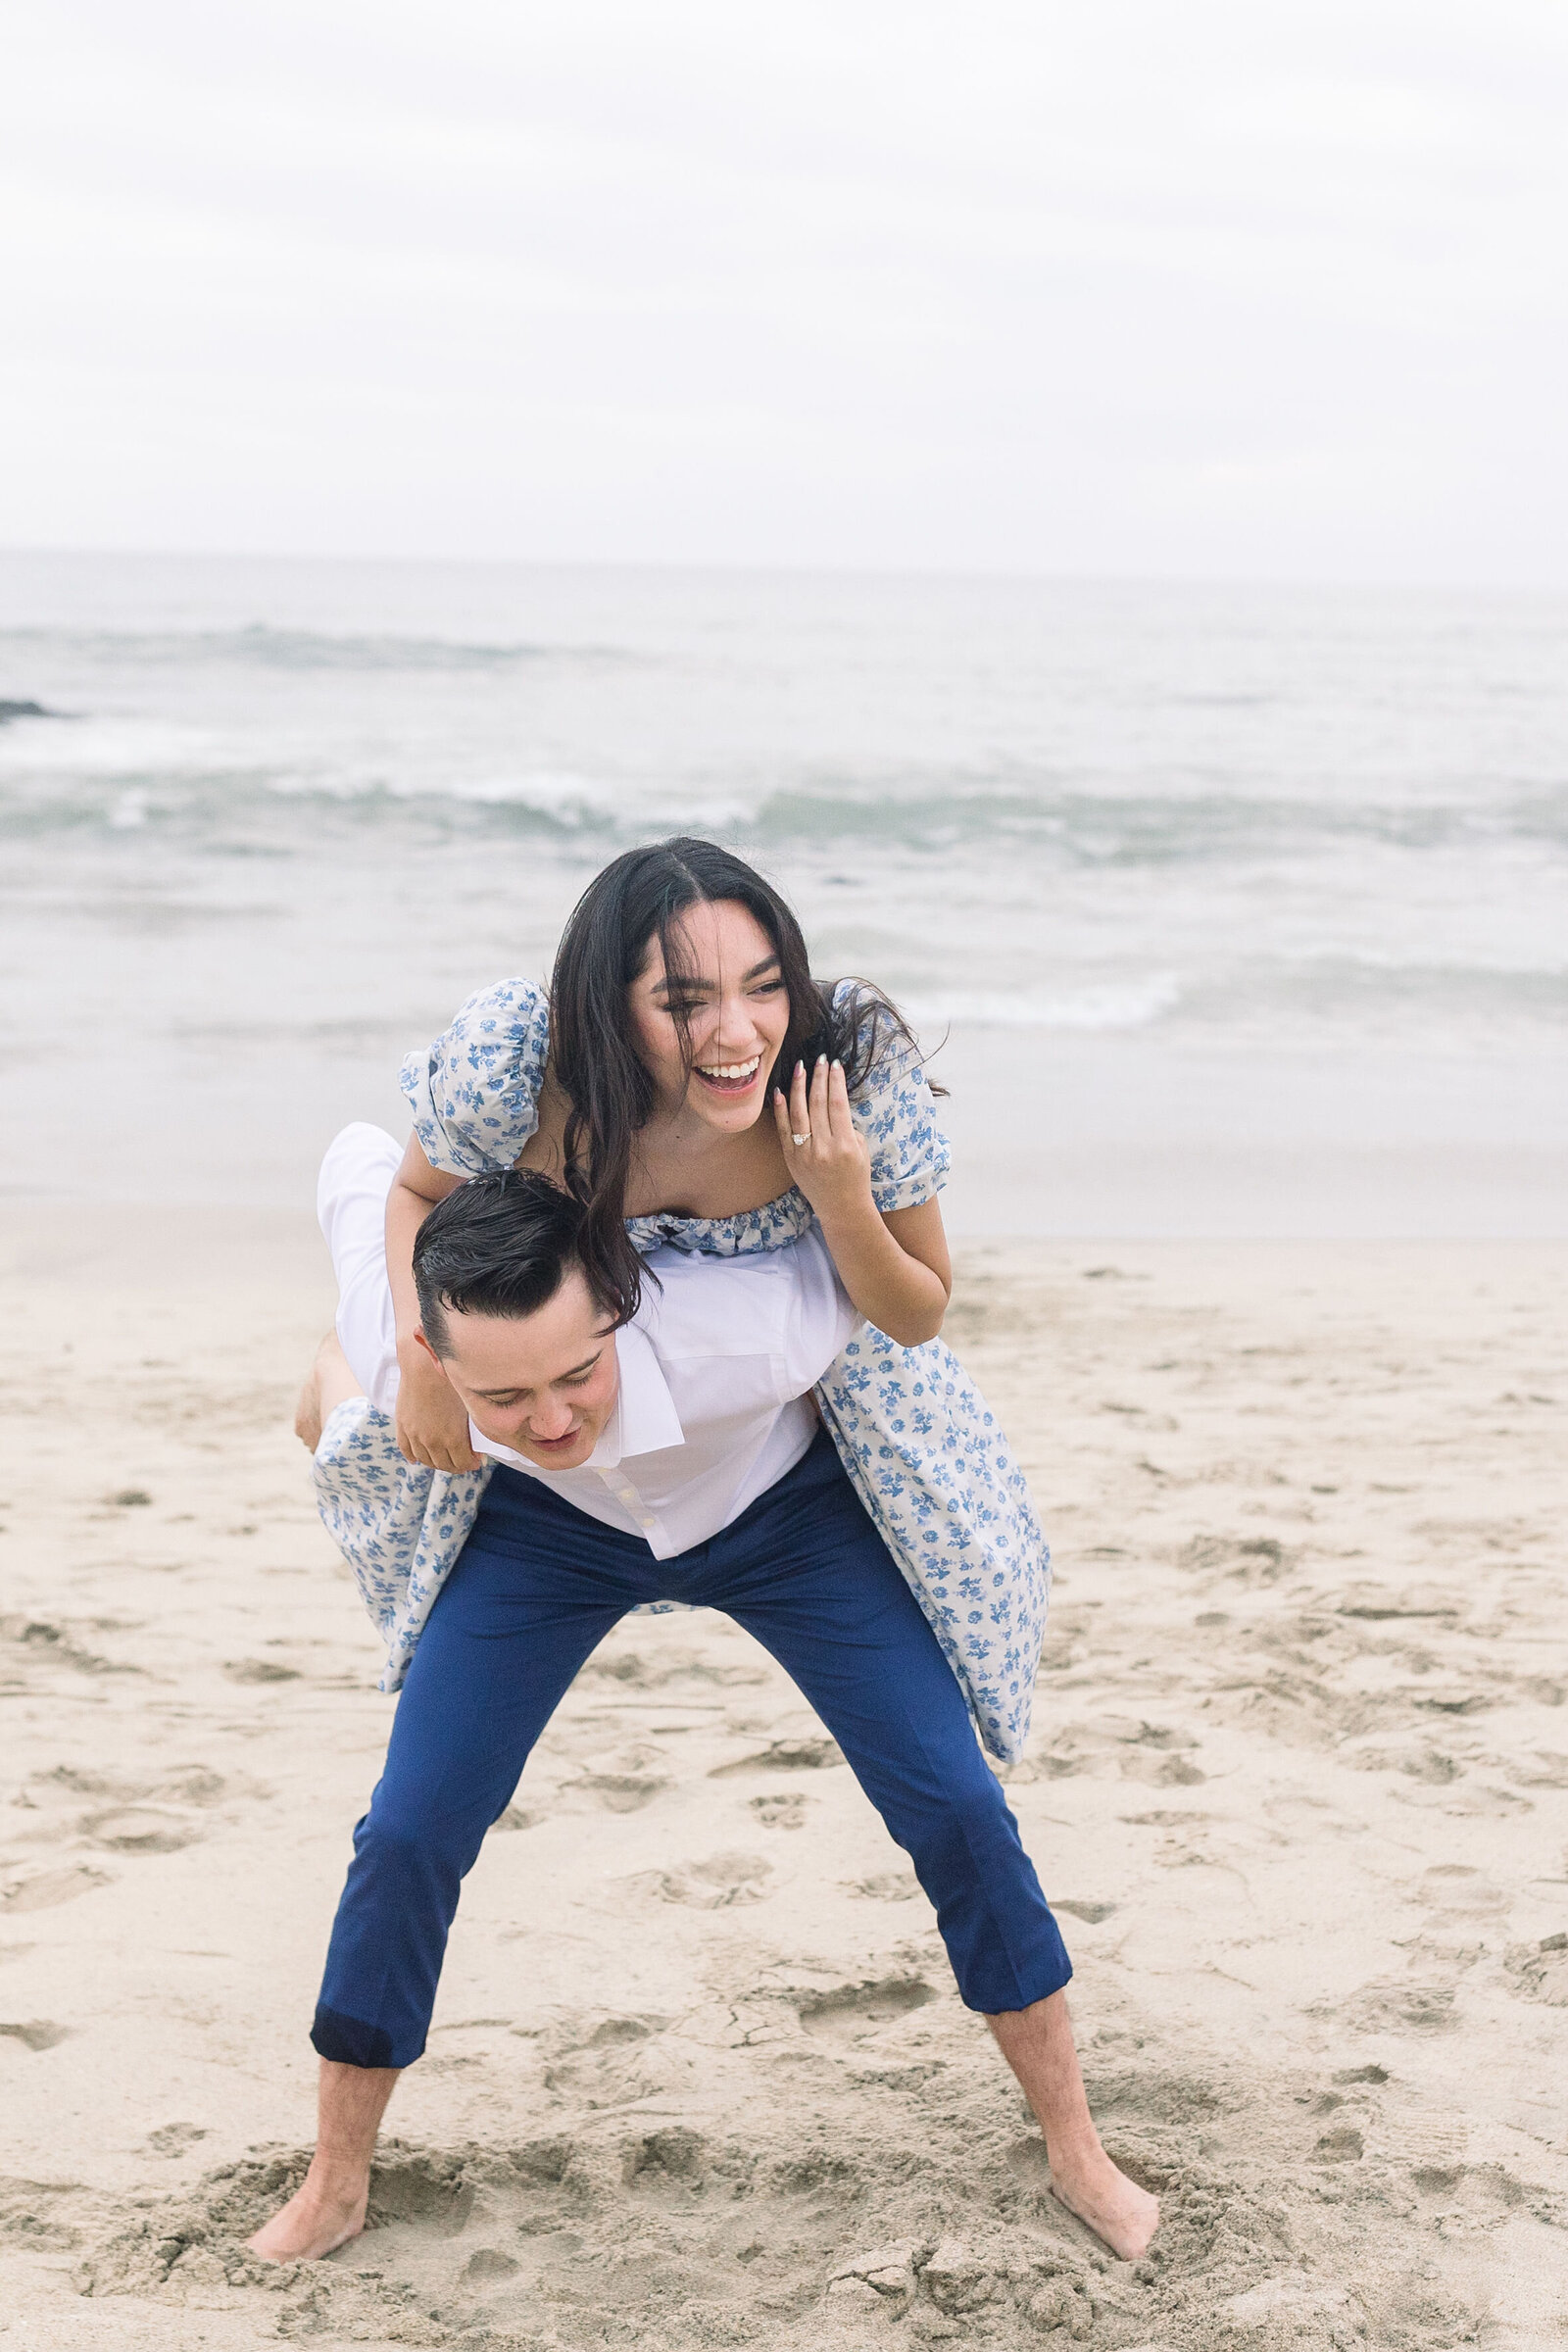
{"x":896,"y":1112}
{"x":474,"y":1095}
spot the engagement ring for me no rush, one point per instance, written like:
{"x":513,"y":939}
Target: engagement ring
{"x":798,"y":1139}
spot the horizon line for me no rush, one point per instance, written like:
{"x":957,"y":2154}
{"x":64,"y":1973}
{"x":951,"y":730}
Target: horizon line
{"x":777,"y":569}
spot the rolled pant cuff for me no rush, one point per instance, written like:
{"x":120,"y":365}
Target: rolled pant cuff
{"x":350,"y":2041}
{"x":1052,"y":1976}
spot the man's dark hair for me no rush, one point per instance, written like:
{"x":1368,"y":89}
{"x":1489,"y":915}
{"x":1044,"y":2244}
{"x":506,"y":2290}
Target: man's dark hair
{"x":500,"y":1245}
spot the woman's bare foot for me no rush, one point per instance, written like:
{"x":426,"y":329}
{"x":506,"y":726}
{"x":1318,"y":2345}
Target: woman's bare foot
{"x":327,"y":1384}
{"x":316,"y":2219}
{"x":1107,"y":2202}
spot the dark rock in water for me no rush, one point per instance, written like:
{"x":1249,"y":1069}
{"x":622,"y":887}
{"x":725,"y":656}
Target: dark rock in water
{"x":10,"y":710}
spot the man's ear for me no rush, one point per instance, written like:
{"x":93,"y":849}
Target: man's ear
{"x":419,"y":1333}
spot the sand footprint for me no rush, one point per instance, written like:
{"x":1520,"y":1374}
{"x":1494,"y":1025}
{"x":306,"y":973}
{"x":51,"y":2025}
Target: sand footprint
{"x":884,"y":1887}
{"x":619,"y":1791}
{"x":852,"y":2012}
{"x":784,"y":1755}
{"x":718,"y":1884}
{"x":602,"y":2061}
{"x":141,"y":1829}
{"x":52,"y":1887}
{"x":37,"y":2035}
{"x":670,"y":2165}
{"x":624,"y":1782}
{"x":1539,"y":1972}
{"x":487,"y":2265}
{"x":782,"y":1812}
{"x":430,"y":2193}
{"x":1460,"y":1895}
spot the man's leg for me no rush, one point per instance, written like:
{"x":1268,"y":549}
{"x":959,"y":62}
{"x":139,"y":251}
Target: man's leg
{"x":812,"y":1579}
{"x":536,"y":1590}
{"x":1037,"y":2043}
{"x":329,"y":2207}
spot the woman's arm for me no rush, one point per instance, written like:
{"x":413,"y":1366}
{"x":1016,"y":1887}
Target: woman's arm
{"x":895,"y":1267}
{"x":433,"y":1423}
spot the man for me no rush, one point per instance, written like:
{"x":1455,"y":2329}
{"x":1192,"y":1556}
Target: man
{"x":674,"y":1456}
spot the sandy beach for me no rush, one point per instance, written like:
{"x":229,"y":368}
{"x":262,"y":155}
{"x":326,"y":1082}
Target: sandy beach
{"x":1298,"y":1788}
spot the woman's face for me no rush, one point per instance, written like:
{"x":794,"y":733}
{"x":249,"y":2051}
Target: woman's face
{"x":736,"y":1014}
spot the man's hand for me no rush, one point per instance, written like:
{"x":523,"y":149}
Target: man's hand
{"x":823,"y":1149}
{"x":432,"y":1421}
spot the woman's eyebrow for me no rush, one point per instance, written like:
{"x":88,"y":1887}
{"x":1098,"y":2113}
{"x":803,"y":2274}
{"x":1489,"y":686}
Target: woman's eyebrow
{"x":696,"y":984}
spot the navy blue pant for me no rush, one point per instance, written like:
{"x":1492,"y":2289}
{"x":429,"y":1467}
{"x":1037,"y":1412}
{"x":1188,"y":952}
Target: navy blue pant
{"x":537,"y":1588}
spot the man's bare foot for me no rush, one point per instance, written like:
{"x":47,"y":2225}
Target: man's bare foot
{"x":1037,"y":2043}
{"x":1107,"y":2202}
{"x":316,"y":2221}
{"x":327,"y":1382}
{"x":328,"y":2208}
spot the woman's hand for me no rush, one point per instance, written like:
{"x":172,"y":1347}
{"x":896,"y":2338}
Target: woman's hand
{"x":823,"y":1149}
{"x":895,"y":1267}
{"x":432,"y":1421}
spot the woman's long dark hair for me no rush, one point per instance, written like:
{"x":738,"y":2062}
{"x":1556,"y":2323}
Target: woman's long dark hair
{"x":638,"y":898}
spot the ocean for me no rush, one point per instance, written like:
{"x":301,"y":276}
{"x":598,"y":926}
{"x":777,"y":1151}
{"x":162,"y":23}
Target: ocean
{"x":1223,"y":910}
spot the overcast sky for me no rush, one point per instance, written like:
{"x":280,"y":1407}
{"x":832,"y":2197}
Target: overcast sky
{"x":1192,"y":287}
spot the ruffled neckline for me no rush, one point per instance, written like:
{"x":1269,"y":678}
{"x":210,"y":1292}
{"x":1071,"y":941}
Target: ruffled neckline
{"x":766,"y":1228}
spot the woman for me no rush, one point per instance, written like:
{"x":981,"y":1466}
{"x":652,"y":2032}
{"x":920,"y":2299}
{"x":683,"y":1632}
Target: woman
{"x":682,"y":1080}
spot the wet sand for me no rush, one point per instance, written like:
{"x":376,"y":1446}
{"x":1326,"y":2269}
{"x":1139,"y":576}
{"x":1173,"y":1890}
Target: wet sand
{"x":1298,"y":1786}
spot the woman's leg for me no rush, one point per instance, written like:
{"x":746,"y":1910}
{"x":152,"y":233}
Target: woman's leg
{"x":327,"y":1384}
{"x":351,"y":1193}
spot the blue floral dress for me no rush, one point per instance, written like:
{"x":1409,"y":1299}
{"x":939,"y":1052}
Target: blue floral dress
{"x":922,"y":1447}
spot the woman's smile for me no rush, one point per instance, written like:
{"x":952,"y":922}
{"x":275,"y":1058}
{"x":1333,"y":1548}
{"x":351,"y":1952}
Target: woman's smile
{"x":731,"y":1078}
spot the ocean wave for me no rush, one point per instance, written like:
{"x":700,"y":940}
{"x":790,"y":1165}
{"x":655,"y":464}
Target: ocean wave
{"x":544,"y":804}
{"x":1345,"y":995}
{"x":1098,"y":1004}
{"x":1077,"y":828}
{"x":263,"y":646}
{"x":1298,"y":996}
{"x":205,"y":780}
{"x":1140,"y":829}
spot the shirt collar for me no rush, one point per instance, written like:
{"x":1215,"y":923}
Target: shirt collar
{"x":645,"y":1419}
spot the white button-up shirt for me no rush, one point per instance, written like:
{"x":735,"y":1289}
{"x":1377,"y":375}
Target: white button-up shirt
{"x":715,"y":1367}
{"x":714,"y":1406}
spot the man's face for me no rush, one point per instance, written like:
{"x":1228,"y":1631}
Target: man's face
{"x":543,"y":1384}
